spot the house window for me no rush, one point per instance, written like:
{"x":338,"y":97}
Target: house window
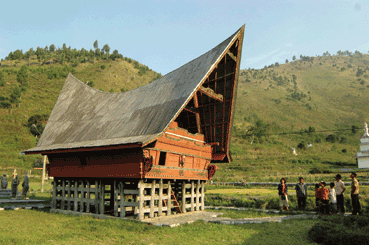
{"x":163,"y":156}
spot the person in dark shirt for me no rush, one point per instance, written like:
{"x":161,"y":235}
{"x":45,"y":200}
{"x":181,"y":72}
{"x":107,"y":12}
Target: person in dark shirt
{"x":301,"y":193}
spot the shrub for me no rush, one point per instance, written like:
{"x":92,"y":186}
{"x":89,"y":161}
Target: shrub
{"x":301,"y":145}
{"x":91,"y":84}
{"x":344,"y":150}
{"x":331,"y":138}
{"x":103,"y":67}
{"x":341,"y":230}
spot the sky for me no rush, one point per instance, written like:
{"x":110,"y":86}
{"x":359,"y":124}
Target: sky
{"x":166,"y":34}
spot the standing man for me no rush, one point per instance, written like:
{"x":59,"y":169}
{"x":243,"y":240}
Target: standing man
{"x":340,"y":189}
{"x":301,"y":193}
{"x":356,"y":208}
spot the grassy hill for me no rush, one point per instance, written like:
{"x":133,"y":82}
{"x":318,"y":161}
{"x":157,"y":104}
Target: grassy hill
{"x":327,"y":94}
{"x":44,"y":84}
{"x":277,"y":108}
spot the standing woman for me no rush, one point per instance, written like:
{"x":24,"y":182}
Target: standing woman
{"x":282,"y":192}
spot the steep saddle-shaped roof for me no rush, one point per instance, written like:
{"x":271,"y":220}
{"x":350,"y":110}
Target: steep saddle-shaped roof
{"x":84,"y":117}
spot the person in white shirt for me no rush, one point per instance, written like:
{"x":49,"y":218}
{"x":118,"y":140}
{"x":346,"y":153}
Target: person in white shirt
{"x":340,"y":189}
{"x":332,"y":198}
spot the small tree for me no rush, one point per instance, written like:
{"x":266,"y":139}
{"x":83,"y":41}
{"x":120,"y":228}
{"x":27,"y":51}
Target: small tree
{"x":29,"y":54}
{"x":15,"y":97}
{"x":294,"y":58}
{"x":96,"y":47}
{"x":258,"y":130}
{"x":106,"y":49}
{"x":354,"y":129}
{"x":52,"y":48}
{"x":22,"y":76}
{"x":286,"y":61}
{"x":2,"y":78}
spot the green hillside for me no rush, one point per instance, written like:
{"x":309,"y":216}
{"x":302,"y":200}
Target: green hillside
{"x":45,"y":76}
{"x":313,"y":99}
{"x":322,"y":100}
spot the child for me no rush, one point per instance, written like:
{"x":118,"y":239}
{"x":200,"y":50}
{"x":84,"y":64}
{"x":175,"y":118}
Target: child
{"x":332,"y":197}
{"x":317,"y":197}
{"x":324,"y":195}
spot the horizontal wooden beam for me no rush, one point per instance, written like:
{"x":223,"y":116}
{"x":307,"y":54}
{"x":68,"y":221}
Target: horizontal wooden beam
{"x":209,"y":92}
{"x":192,"y":110}
{"x":84,"y":149}
{"x":232,"y":56}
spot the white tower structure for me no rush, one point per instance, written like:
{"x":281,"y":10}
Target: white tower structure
{"x":363,"y":155}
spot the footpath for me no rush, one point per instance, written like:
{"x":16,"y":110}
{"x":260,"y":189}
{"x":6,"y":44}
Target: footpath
{"x":212,"y":217}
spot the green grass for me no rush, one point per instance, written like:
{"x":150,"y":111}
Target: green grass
{"x":36,"y":227}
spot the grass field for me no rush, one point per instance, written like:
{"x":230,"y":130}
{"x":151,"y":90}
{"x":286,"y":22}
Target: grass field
{"x":37,"y":227}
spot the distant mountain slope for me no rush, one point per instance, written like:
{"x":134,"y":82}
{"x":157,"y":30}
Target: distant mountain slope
{"x":327,"y":92}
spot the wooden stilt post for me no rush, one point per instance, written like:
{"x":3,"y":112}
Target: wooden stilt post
{"x":152,"y":200}
{"x":192,"y":196}
{"x":102,"y":197}
{"x":83,"y":197}
{"x":63,"y":194}
{"x":88,"y":196}
{"x":198,"y":195}
{"x":122,"y":199}
{"x":169,"y":201}
{"x":160,"y":198}
{"x":111,"y":199}
{"x":183,"y":197}
{"x":141,"y":199}
{"x":75,"y":195}
{"x":97,"y":194}
{"x":68,"y":187}
{"x":116,"y":203}
{"x":202,"y":195}
{"x":43,"y":174}
{"x":54,"y":192}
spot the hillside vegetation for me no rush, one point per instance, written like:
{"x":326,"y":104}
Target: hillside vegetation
{"x":30,"y":86}
{"x":322,"y":100}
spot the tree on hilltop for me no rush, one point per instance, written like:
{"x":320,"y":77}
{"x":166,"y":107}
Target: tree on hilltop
{"x":96,"y":47}
{"x":29,"y":54}
{"x":294,"y":58}
{"x":106,"y":49}
{"x":52,"y":48}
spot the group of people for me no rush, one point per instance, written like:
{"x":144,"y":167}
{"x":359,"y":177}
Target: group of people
{"x":14,"y":184}
{"x":325,"y":199}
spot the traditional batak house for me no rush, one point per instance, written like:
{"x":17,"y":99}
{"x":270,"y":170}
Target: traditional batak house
{"x":146,"y":152}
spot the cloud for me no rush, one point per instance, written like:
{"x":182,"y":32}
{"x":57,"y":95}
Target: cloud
{"x":277,"y":55}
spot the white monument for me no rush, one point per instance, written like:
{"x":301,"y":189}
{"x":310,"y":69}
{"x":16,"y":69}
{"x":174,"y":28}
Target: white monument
{"x":363,"y":155}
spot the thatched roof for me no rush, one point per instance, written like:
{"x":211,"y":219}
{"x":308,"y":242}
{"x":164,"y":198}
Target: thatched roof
{"x":86,"y":117}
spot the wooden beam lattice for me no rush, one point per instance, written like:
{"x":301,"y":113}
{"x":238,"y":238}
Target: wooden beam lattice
{"x":209,"y":92}
{"x":145,"y":200}
{"x":232,"y":56}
